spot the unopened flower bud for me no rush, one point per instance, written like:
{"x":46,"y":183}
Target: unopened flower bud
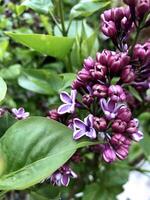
{"x":103,"y":57}
{"x":143,"y":6}
{"x":87,"y":99}
{"x":83,"y":75}
{"x":132,"y":126}
{"x":109,"y":29}
{"x":99,"y":90}
{"x":53,"y":114}
{"x":124,"y":114}
{"x":108,"y":153}
{"x":100,"y":124}
{"x":127,"y":74}
{"x":119,"y":126}
{"x":116,"y":93}
{"x":89,"y":63}
{"x":98,"y":72}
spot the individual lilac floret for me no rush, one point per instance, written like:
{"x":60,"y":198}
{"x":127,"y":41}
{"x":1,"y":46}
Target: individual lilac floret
{"x":62,"y":176}
{"x":84,"y":128}
{"x":20,"y":113}
{"x":69,"y":102}
{"x":109,"y":154}
{"x":110,"y":108}
{"x":116,"y":93}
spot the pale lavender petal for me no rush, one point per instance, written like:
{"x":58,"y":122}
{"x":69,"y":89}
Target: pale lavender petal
{"x":111,"y":105}
{"x":137,"y":136}
{"x":89,"y":120}
{"x":73,"y":174}
{"x":79,"y":124}
{"x":25,"y":115}
{"x":91,"y":134}
{"x":73,"y":95}
{"x":20,"y":111}
{"x":78,"y":134}
{"x":65,"y":180}
{"x":14,"y":111}
{"x":110,"y":115}
{"x":65,"y":108}
{"x":65,"y":97}
{"x":103,"y":104}
{"x":72,"y":108}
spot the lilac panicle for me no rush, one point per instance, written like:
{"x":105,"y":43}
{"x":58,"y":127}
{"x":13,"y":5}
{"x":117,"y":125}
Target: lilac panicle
{"x":62,"y":176}
{"x":116,"y":93}
{"x":20,"y":113}
{"x":84,"y":128}
{"x":69,"y":102}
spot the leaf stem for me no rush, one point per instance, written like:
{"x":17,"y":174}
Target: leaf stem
{"x":55,"y":20}
{"x":61,"y":12}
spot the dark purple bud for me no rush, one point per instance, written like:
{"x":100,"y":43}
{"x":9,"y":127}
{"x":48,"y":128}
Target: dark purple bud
{"x":109,"y":29}
{"x":98,"y":72}
{"x":2,"y":111}
{"x":89,"y":63}
{"x":78,"y":83}
{"x":100,"y":124}
{"x":99,"y":90}
{"x":117,"y":61}
{"x":121,"y":145}
{"x":103,"y":57}
{"x":118,"y":14}
{"x":132,"y":126}
{"x":127,"y":74}
{"x":76,"y":157}
{"x":84,"y":75}
{"x":53,"y":114}
{"x":124,"y":114}
{"x":108,"y":153}
{"x":143,"y":6}
{"x":116,"y":93}
{"x":107,"y":15}
{"x":87,"y":99}
{"x":119,"y":126}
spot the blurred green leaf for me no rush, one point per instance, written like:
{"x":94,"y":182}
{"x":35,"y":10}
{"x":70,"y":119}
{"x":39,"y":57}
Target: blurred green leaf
{"x":11,"y":72}
{"x":40,"y":81}
{"x":3,"y":89}
{"x":135,"y":93}
{"x":54,"y":46}
{"x":86,"y":8}
{"x":40,"y":145}
{"x":40,"y":6}
{"x":3,"y":47}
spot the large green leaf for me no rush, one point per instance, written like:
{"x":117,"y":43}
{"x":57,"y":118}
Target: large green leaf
{"x":54,"y":46}
{"x":86,"y":8}
{"x":40,"y":81}
{"x":32,"y":150}
{"x":41,"y":6}
{"x":3,"y":89}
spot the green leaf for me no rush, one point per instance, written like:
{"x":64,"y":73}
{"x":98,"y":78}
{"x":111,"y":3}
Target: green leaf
{"x":54,"y":46}
{"x":40,"y":6}
{"x":11,"y":72}
{"x":135,"y":93}
{"x":93,"y":192}
{"x":32,"y":149}
{"x":3,"y":89}
{"x":86,"y":8}
{"x":40,"y":81}
{"x":145,"y":126}
{"x":67,"y":79}
{"x":3,"y":47}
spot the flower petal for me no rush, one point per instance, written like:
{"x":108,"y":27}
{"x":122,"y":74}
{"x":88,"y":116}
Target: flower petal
{"x":103,"y":104}
{"x":78,"y":134}
{"x":65,"y":180}
{"x":65,"y":97}
{"x":137,"y":136}
{"x":65,"y":108}
{"x":89,"y":120}
{"x":73,"y":95}
{"x":79,"y":124}
{"x":91,"y":134}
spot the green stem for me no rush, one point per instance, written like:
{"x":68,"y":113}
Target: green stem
{"x":61,"y":12}
{"x":55,"y":20}
{"x":135,"y":39}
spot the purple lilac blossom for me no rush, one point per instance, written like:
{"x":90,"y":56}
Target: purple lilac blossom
{"x":84,"y":128}
{"x":62,"y":176}
{"x":69,"y":102}
{"x":20,"y":113}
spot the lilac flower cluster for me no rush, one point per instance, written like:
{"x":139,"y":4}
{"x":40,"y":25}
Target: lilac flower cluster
{"x":102,"y":88}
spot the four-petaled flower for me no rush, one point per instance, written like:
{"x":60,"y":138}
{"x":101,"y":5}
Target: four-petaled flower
{"x":110,"y":108}
{"x":84,"y":128}
{"x":69,"y":102}
{"x":20,"y":113}
{"x":62,"y":176}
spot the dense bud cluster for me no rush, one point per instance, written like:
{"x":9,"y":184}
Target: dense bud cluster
{"x":101,"y":89}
